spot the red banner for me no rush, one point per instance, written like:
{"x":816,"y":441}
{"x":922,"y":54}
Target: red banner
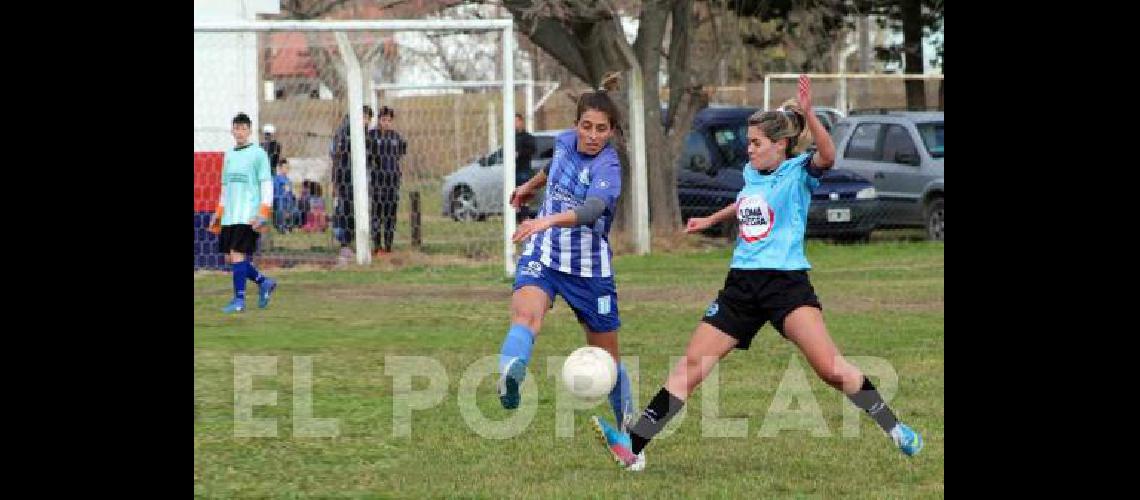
{"x":207,"y":180}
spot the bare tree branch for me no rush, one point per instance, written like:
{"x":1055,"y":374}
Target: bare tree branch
{"x":587,"y":38}
{"x":303,"y":10}
{"x":449,"y":67}
{"x":569,"y":30}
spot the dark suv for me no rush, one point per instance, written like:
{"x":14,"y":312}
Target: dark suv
{"x":709,"y":176}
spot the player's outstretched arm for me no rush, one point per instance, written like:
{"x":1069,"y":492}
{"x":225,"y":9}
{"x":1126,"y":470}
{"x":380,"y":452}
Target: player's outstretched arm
{"x":531,"y":226}
{"x":697,"y":224}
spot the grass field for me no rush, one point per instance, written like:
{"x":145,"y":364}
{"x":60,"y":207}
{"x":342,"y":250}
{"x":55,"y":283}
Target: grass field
{"x":439,"y":233}
{"x":881,"y":300}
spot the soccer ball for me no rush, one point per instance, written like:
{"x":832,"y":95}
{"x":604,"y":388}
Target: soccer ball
{"x":590,"y":372}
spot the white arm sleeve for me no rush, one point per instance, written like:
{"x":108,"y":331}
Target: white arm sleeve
{"x":222,"y":197}
{"x":267,"y":192}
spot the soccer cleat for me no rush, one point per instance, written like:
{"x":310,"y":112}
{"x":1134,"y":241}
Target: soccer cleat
{"x":909,"y":441}
{"x":618,"y":444}
{"x":265,"y":291}
{"x":510,"y":382}
{"x":235,"y":306}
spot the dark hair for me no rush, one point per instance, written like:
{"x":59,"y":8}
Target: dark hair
{"x":243,"y":118}
{"x":368,"y":111}
{"x":386,"y":111}
{"x":519,"y":116}
{"x":601,"y":101}
{"x":784,"y":123}
{"x":314,"y":187}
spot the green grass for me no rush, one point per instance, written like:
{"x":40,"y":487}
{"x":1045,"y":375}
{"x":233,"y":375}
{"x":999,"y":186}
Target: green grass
{"x":882,"y":300}
{"x":439,"y":234}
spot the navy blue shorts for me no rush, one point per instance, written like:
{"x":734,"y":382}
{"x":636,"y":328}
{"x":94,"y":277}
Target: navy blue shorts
{"x":593,"y":300}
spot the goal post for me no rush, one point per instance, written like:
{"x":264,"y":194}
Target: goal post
{"x":212,"y":87}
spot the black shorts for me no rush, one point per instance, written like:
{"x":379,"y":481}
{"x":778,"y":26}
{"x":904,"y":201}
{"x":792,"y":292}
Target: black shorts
{"x":752,"y":297}
{"x":238,"y":238}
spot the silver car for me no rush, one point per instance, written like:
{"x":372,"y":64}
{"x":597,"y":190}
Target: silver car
{"x":475,"y":190}
{"x":903,"y":155}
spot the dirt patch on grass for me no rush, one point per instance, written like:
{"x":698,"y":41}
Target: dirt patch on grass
{"x":401,"y":291}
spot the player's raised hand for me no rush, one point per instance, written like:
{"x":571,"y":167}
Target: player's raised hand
{"x":805,"y":93}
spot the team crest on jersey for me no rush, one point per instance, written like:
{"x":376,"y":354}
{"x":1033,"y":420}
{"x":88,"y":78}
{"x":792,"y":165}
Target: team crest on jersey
{"x":584,"y":177}
{"x":756,"y":218}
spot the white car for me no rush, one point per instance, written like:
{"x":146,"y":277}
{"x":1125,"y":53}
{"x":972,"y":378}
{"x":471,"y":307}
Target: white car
{"x":475,"y":190}
{"x":833,"y":114}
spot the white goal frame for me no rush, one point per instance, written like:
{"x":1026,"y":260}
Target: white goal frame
{"x":356,"y":91}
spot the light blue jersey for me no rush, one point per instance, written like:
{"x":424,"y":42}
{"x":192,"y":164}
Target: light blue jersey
{"x":772,"y":212}
{"x":243,"y":172}
{"x":579,"y":250}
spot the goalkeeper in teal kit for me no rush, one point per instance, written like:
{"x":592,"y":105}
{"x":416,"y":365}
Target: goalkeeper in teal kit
{"x":243,"y":209}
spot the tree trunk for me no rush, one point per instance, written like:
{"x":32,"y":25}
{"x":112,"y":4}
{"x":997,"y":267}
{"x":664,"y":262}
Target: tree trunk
{"x":585,"y":38}
{"x":584,"y":42}
{"x":662,"y":180}
{"x":621,"y":143}
{"x":912,"y":51}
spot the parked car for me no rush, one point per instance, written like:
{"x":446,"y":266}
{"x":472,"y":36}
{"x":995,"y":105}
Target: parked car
{"x":903,"y":154}
{"x":474,"y":191}
{"x":833,"y":115}
{"x":709,"y":176}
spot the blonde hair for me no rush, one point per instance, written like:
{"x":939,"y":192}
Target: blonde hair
{"x":787,"y":122}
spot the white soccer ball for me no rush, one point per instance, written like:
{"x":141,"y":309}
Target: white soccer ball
{"x":590,"y":372}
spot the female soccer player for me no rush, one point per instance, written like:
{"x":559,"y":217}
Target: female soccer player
{"x":567,"y":248}
{"x":767,"y":281}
